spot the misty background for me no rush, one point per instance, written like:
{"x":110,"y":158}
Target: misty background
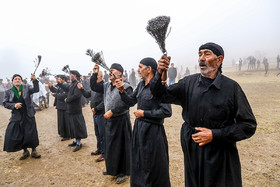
{"x":61,"y":31}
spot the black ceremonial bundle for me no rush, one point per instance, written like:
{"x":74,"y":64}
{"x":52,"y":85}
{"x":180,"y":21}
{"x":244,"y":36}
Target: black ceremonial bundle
{"x":97,"y":58}
{"x":66,"y":69}
{"x":157,"y":27}
{"x":37,"y":62}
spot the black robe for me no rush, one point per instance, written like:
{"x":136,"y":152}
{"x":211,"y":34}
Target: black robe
{"x":117,"y":131}
{"x":222,"y":107}
{"x":77,"y":123}
{"x":21,"y":131}
{"x":149,"y":146}
{"x":62,"y":116}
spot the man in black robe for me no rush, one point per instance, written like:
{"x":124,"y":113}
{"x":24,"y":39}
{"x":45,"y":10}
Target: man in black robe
{"x":149,"y":146}
{"x":78,"y":129}
{"x":98,"y":110}
{"x":61,"y":106}
{"x":21,"y":132}
{"x":118,"y":125}
{"x":216,"y":115}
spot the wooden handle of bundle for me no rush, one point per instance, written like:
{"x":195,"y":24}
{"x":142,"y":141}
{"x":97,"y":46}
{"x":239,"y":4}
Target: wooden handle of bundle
{"x":164,"y":77}
{"x":164,"y":73}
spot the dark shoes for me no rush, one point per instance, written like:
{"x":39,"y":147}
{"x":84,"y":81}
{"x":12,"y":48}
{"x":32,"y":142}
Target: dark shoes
{"x":25,"y":155}
{"x":64,"y":139}
{"x":72,"y":144}
{"x":100,"y":159}
{"x":105,"y":172}
{"x":34,"y":154}
{"x":120,"y":179}
{"x":77,"y":148}
{"x":95,"y":153}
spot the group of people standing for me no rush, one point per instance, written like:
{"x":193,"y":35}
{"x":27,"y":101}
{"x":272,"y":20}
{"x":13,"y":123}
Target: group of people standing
{"x":216,"y":115}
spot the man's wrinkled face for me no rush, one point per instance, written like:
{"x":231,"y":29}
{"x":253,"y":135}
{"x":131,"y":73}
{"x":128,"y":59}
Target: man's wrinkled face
{"x":208,"y":62}
{"x":143,"y":71}
{"x":17,"y":81}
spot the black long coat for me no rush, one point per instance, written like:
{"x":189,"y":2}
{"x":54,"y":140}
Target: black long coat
{"x":21,"y":131}
{"x":222,"y":107}
{"x":78,"y":127}
{"x":63,"y":125}
{"x":149,"y":146}
{"x":117,"y":132}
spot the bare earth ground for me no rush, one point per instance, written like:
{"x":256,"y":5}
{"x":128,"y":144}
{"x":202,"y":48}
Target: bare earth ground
{"x":59,"y":166}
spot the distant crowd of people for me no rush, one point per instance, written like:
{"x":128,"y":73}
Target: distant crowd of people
{"x":254,"y":63}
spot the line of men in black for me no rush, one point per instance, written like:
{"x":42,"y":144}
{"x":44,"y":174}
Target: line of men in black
{"x":148,"y":144}
{"x":216,"y":115}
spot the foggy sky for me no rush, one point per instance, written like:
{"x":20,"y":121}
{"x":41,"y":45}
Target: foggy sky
{"x":61,"y":31}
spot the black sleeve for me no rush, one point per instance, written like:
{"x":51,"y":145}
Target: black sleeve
{"x":6,"y":103}
{"x":65,"y":87}
{"x":123,"y":108}
{"x":245,"y":125}
{"x":163,"y":111}
{"x":99,"y":107}
{"x":53,"y":89}
{"x":94,"y":85}
{"x":175,"y":93}
{"x":86,"y":94}
{"x":130,"y":100}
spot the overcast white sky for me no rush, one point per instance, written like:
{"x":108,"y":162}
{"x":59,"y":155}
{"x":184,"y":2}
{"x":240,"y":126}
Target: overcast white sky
{"x":62,"y":30}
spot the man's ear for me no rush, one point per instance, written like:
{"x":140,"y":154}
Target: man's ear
{"x":220,"y":60}
{"x":119,"y":74}
{"x":150,"y":69}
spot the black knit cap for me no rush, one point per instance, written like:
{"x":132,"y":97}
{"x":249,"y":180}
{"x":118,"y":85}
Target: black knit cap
{"x":117,"y":67}
{"x":149,"y":62}
{"x":16,"y":75}
{"x":61,"y":76}
{"x":215,"y":48}
{"x":74,"y":72}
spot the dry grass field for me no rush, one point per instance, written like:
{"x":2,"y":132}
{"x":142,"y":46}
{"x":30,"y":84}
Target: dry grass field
{"x":59,"y":166}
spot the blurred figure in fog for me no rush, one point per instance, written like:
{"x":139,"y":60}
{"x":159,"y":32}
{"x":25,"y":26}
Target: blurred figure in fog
{"x":265,"y":63}
{"x":106,"y":76}
{"x":187,"y":72}
{"x":172,"y":74}
{"x":132,"y":78}
{"x":240,"y":64}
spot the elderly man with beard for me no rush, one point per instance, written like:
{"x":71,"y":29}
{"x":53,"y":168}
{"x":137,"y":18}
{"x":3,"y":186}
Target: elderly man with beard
{"x":149,"y":146}
{"x":21,"y":132}
{"x":117,"y":126}
{"x":216,"y":115}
